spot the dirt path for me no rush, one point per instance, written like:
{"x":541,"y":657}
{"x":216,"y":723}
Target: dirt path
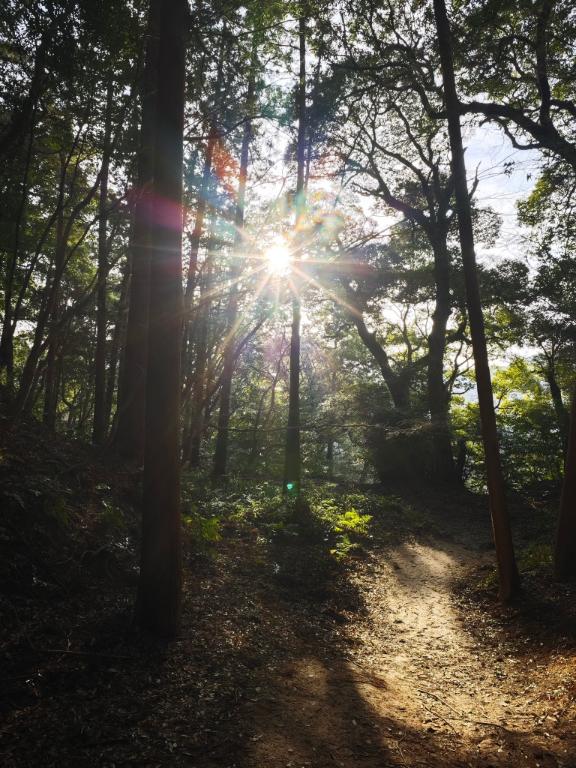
{"x":282,"y":664}
{"x":417,"y":687}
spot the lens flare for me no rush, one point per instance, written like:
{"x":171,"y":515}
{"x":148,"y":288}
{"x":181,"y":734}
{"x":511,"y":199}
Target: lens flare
{"x":278,"y":259}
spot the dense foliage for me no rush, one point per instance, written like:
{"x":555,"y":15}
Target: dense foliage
{"x":318,"y":190}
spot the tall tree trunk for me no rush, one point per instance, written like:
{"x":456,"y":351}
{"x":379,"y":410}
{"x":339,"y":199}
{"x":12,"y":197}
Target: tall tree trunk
{"x":293,"y":461}
{"x":205,"y":183}
{"x":190,"y":325}
{"x":562,"y":415}
{"x":438,"y":398}
{"x":131,"y":410}
{"x":198,"y":388}
{"x":565,"y":549}
{"x":118,"y":338}
{"x":22,"y":117}
{"x":253,"y":455}
{"x":196,"y":235}
{"x":49,"y":309}
{"x":160,"y":586}
{"x":49,"y":300}
{"x":189,"y":340}
{"x":51,"y":385}
{"x":330,"y":459}
{"x":292,"y":465}
{"x":7,"y":338}
{"x":507,"y":571}
{"x":53,"y":371}
{"x":54,"y":333}
{"x":100,"y":425}
{"x":221,"y":450}
{"x":29,"y":372}
{"x":330,"y":438}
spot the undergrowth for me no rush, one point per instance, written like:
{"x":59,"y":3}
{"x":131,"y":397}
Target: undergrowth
{"x":341,"y":522}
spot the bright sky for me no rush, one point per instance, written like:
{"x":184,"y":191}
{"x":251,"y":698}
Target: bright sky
{"x":488,"y":149}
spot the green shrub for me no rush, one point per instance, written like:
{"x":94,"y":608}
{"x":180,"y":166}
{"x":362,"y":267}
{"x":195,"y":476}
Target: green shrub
{"x":535,"y":556}
{"x":204,"y":531}
{"x":351,"y":522}
{"x":112,"y":517}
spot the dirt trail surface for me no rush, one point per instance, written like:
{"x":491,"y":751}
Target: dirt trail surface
{"x":285,"y":663}
{"x":417,"y":688}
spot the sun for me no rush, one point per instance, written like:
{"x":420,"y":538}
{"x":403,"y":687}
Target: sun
{"x":278,"y":259}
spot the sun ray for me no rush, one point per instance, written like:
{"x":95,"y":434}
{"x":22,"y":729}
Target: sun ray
{"x":332,"y":294}
{"x":278,"y":258}
{"x":238,"y":322}
{"x":226,"y":286}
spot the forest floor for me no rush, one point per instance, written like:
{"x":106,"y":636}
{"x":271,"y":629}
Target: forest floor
{"x":401,"y":657}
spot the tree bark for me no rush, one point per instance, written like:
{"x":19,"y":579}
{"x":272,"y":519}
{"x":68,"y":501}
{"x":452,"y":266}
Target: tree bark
{"x":221,"y":450}
{"x":8,"y":326}
{"x":23,"y":116}
{"x":50,"y":376}
{"x":189,"y":343}
{"x":118,"y":339}
{"x":100,"y":425}
{"x":293,"y":461}
{"x":565,"y":549}
{"x":196,"y":426}
{"x":438,"y":397}
{"x":160,"y":585}
{"x":131,"y":410}
{"x":562,"y":415}
{"x":507,"y":571}
{"x":51,"y":384}
{"x":292,"y":466}
{"x":398,"y":386}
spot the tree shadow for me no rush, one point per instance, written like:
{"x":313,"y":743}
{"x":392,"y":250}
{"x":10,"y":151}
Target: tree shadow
{"x":264,"y":675}
{"x":322,"y":709}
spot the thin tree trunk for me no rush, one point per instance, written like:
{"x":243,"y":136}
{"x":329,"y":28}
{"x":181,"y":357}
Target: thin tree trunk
{"x":190,"y":325}
{"x":57,"y":213}
{"x":100,"y":425}
{"x":438,"y":397}
{"x":54,"y":366}
{"x":562,"y":415}
{"x":49,"y":309}
{"x":48,"y":303}
{"x":23,"y":116}
{"x":7,"y":339}
{"x":221,"y":450}
{"x":189,"y":341}
{"x":565,"y":549}
{"x":330,"y":441}
{"x":507,"y":571}
{"x":160,"y":585}
{"x":330,"y":458}
{"x":292,"y":466}
{"x":253,"y":455}
{"x":117,"y":339}
{"x":293,"y":462}
{"x":196,"y":235}
{"x":37,"y":384}
{"x":205,"y":184}
{"x":50,"y":386}
{"x":196,"y":426}
{"x":313,"y":94}
{"x":54,"y":333}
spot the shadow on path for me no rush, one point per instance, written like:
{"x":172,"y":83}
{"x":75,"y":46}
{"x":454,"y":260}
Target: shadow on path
{"x":287,"y":661}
